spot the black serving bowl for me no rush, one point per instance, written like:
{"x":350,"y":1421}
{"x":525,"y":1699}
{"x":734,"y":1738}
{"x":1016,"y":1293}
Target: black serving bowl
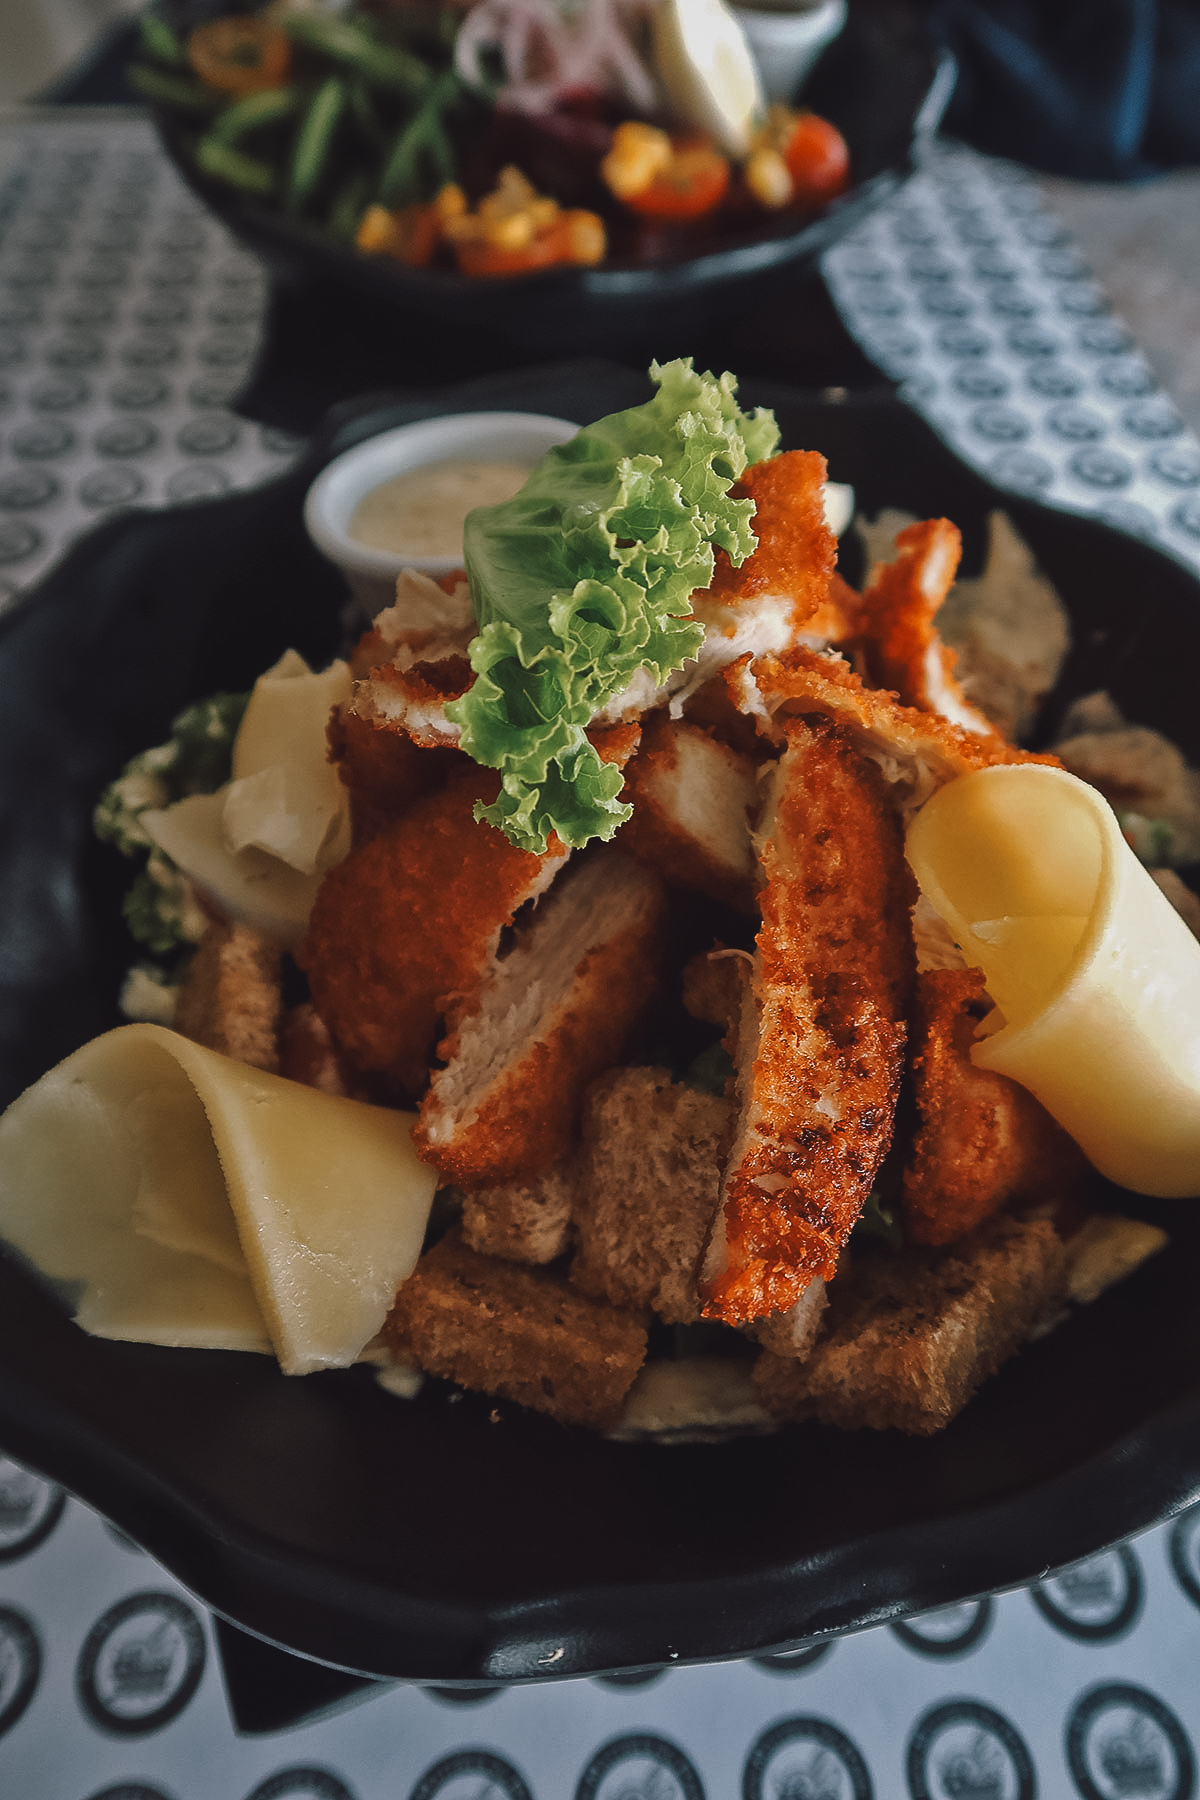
{"x":882,"y":83}
{"x":421,"y":1539}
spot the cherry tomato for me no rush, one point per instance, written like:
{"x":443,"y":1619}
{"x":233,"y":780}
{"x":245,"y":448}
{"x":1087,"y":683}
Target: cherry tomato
{"x":240,"y":55}
{"x":694,"y":182}
{"x":817,"y":158}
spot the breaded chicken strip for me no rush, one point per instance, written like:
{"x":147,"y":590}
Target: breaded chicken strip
{"x":982,"y":1139}
{"x":693,"y":798}
{"x":547,"y":1019}
{"x":411,"y":918}
{"x":899,"y":638}
{"x":821,"y":1036}
{"x":916,"y":752}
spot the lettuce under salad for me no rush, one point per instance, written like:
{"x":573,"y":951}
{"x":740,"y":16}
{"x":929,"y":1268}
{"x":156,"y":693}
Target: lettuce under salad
{"x":584,"y":579}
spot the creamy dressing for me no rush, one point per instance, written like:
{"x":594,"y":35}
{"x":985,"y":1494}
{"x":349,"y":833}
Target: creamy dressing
{"x":421,"y":511}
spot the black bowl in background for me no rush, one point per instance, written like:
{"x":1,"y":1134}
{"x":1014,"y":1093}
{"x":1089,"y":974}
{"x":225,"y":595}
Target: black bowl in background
{"x":422,"y":1540}
{"x":881,"y":82}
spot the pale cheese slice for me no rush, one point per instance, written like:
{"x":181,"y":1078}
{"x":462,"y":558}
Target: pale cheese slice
{"x":1095,"y":977}
{"x":259,"y":847}
{"x":202,"y":1202}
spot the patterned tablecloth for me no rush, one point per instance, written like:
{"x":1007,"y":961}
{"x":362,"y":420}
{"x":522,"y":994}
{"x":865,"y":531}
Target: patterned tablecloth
{"x":128,"y":323}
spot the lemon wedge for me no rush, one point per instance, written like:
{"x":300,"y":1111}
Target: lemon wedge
{"x":707,"y":72}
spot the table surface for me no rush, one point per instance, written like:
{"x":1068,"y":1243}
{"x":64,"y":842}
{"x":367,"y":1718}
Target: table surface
{"x":130,"y":327}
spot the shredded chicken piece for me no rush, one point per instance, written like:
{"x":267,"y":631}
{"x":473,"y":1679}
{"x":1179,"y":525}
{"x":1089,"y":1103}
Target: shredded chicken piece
{"x":692,"y":802}
{"x":821,"y":1037}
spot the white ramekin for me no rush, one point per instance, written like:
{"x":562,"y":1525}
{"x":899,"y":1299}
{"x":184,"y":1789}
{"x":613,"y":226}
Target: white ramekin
{"x":334,"y":495}
{"x":787,"y":40}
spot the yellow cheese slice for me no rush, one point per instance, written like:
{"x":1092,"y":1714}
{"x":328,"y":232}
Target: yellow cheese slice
{"x":1094,"y":974}
{"x":202,"y":1202}
{"x":259,"y":847}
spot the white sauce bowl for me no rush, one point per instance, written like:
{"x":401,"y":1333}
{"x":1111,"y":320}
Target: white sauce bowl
{"x":787,"y":40}
{"x":334,"y":496}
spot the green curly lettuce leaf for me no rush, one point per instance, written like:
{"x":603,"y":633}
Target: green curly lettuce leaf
{"x":585,"y":578}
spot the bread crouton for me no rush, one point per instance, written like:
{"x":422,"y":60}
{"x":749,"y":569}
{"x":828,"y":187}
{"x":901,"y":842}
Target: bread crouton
{"x":521,"y":1334}
{"x":911,"y":1336}
{"x":523,"y":1221}
{"x":230,"y":999}
{"x":650,"y":1179}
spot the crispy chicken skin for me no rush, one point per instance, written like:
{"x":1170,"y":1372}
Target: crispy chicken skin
{"x":982,"y":1139}
{"x":411,"y":917}
{"x":821,"y":1037}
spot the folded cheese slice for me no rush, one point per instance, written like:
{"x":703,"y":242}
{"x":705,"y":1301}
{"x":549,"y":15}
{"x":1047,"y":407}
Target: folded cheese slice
{"x":1095,"y":977}
{"x":260,"y":846}
{"x":201,"y":1202}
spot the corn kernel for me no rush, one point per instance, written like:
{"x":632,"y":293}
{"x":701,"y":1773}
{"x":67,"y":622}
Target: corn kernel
{"x":450,"y":203}
{"x":587,"y":239}
{"x":639,"y":153}
{"x":512,"y":231}
{"x":378,"y":232}
{"x":543,"y":211}
{"x":766,"y":175}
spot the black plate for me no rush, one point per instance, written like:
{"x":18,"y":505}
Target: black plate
{"x":881,"y":83}
{"x":422,"y":1540}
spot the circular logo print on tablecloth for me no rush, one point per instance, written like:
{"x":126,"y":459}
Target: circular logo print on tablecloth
{"x":130,"y":1790}
{"x":793,"y":1662}
{"x":1184,"y":1550}
{"x":302,"y":1783}
{"x":805,"y":1759}
{"x":472,"y":1775}
{"x":641,"y":1765}
{"x":1094,"y":1600}
{"x":1123,"y":1741}
{"x":30,"y":1508}
{"x":140,"y":1664}
{"x":965,"y":1751}
{"x":947,"y":1630}
{"x":20,"y":1665}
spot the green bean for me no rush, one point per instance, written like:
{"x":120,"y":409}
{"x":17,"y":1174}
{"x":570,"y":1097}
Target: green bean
{"x":176,"y":91}
{"x":385,"y":65}
{"x":255,"y":110}
{"x":227,"y":164}
{"x":314,"y":139}
{"x":159,"y":41}
{"x":364,"y":112}
{"x":423,"y":139}
{"x":349,"y":204}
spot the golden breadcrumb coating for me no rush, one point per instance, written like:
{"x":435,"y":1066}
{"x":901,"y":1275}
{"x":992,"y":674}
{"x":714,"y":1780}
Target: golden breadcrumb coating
{"x":898,"y":636}
{"x":822,"y":1033}
{"x":982,"y":1139}
{"x":796,"y":550}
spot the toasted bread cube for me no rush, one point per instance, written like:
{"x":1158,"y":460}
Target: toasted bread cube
{"x":650,"y":1180}
{"x":525,"y":1222}
{"x":521,"y":1334}
{"x":231,"y":996}
{"x":912,"y":1336}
